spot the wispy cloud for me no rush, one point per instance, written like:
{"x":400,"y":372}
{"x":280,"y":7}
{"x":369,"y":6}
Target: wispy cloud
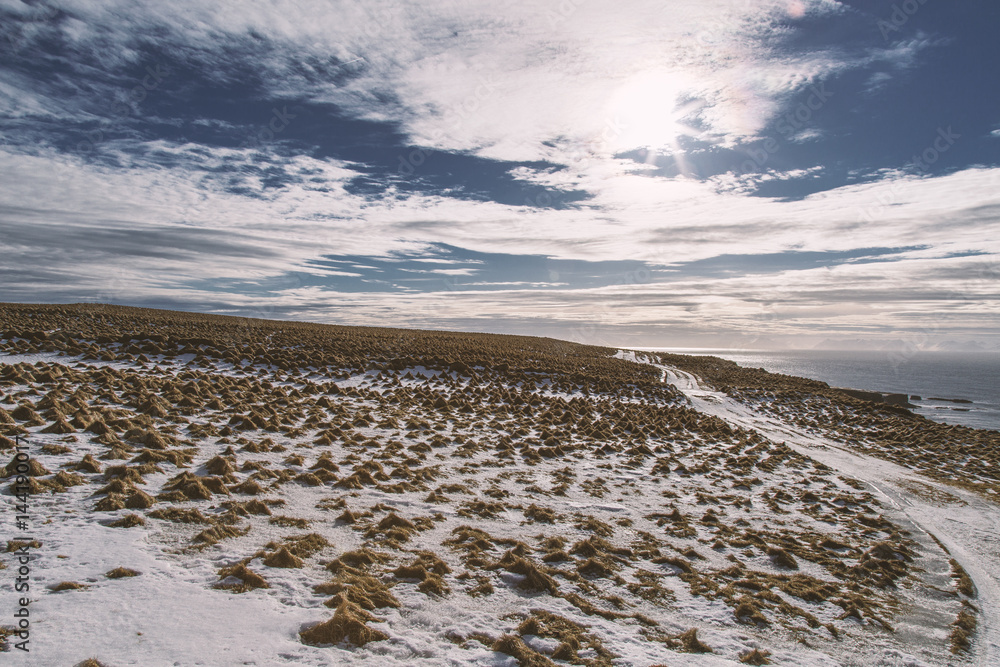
{"x":713,"y":165}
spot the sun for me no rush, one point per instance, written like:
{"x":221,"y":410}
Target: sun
{"x":646,"y":111}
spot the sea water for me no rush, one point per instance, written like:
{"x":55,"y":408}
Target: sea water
{"x":971,"y":376}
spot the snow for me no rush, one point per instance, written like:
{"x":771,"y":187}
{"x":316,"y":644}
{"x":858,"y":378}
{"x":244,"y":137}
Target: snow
{"x":970,"y":528}
{"x":171,"y":615}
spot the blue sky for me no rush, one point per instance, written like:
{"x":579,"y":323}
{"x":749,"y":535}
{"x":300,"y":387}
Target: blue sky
{"x":681,"y":172}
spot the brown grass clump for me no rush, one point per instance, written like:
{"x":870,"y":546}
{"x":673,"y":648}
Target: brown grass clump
{"x":128,"y":521}
{"x":180,"y":515}
{"x":571,"y":635}
{"x":434,"y":585}
{"x":219,"y":466}
{"x":126,"y":473}
{"x":302,"y":546}
{"x":691,"y":644}
{"x":963,"y":630}
{"x":348,"y":623}
{"x":782,"y":558}
{"x":540,"y":514}
{"x":526,"y":656}
{"x":483,"y":586}
{"x":67,"y":479}
{"x":537,"y":581}
{"x":360,"y":558}
{"x":963,"y":582}
{"x":248,"y":579}
{"x":392,"y":520}
{"x":121,"y":572}
{"x":479,"y":508}
{"x":215,"y":534}
{"x":35,"y":469}
{"x":67,"y":586}
{"x":110,"y":503}
{"x":14,"y":545}
{"x":118,"y":487}
{"x":308,"y":479}
{"x":650,"y":588}
{"x":596,"y":568}
{"x":755,"y":657}
{"x":90,"y":662}
{"x":139,"y":500}
{"x":247,"y":508}
{"x":249,"y":488}
{"x":288,"y":521}
{"x":362,"y":590}
{"x":747,"y":611}
{"x":283,"y":558}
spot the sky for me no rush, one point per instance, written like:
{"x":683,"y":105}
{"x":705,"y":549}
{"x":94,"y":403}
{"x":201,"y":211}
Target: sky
{"x":765,"y":173}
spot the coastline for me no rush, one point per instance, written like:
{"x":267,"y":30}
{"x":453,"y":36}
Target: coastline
{"x":946,"y":387}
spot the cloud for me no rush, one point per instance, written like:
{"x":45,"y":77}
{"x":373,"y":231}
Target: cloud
{"x":449,"y":164}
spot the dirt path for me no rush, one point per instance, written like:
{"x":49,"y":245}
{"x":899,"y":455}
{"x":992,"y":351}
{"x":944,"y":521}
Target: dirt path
{"x":965,"y":523}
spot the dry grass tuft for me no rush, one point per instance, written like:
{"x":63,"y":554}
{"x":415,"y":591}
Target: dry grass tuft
{"x":963,"y":582}
{"x":240,"y":579}
{"x":526,"y":656}
{"x":363,"y":590}
{"x":67,"y":586}
{"x":121,"y":572}
{"x":283,"y":558}
{"x":128,"y":521}
{"x":215,"y":534}
{"x":180,"y":515}
{"x":691,"y":644}
{"x":347,"y":624}
{"x":14,"y":545}
{"x":755,"y":657}
{"x":963,"y":629}
{"x":288,"y":521}
{"x":360,"y":558}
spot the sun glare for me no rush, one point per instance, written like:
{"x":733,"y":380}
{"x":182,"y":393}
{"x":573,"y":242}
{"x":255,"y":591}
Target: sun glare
{"x":647,"y":110}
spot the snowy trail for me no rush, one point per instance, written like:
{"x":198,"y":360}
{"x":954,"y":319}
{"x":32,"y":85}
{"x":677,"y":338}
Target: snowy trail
{"x":964,"y":522}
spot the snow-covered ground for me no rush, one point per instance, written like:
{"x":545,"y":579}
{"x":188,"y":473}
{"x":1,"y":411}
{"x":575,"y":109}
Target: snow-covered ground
{"x":965,"y":523}
{"x":644,"y":516}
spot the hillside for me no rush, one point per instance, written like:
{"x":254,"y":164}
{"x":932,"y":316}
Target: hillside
{"x":217,"y":490}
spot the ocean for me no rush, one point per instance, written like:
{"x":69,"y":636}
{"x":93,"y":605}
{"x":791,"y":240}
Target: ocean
{"x":970,"y":376}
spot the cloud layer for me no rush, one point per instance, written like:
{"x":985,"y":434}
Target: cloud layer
{"x":652,"y":173}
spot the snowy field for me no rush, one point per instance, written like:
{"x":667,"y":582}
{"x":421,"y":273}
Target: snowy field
{"x":465,"y":514}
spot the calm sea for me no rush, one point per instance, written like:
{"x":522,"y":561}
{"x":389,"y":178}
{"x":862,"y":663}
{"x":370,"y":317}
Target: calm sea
{"x":931,"y":375}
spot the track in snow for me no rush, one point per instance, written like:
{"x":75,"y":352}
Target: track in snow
{"x":964,"y":522}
